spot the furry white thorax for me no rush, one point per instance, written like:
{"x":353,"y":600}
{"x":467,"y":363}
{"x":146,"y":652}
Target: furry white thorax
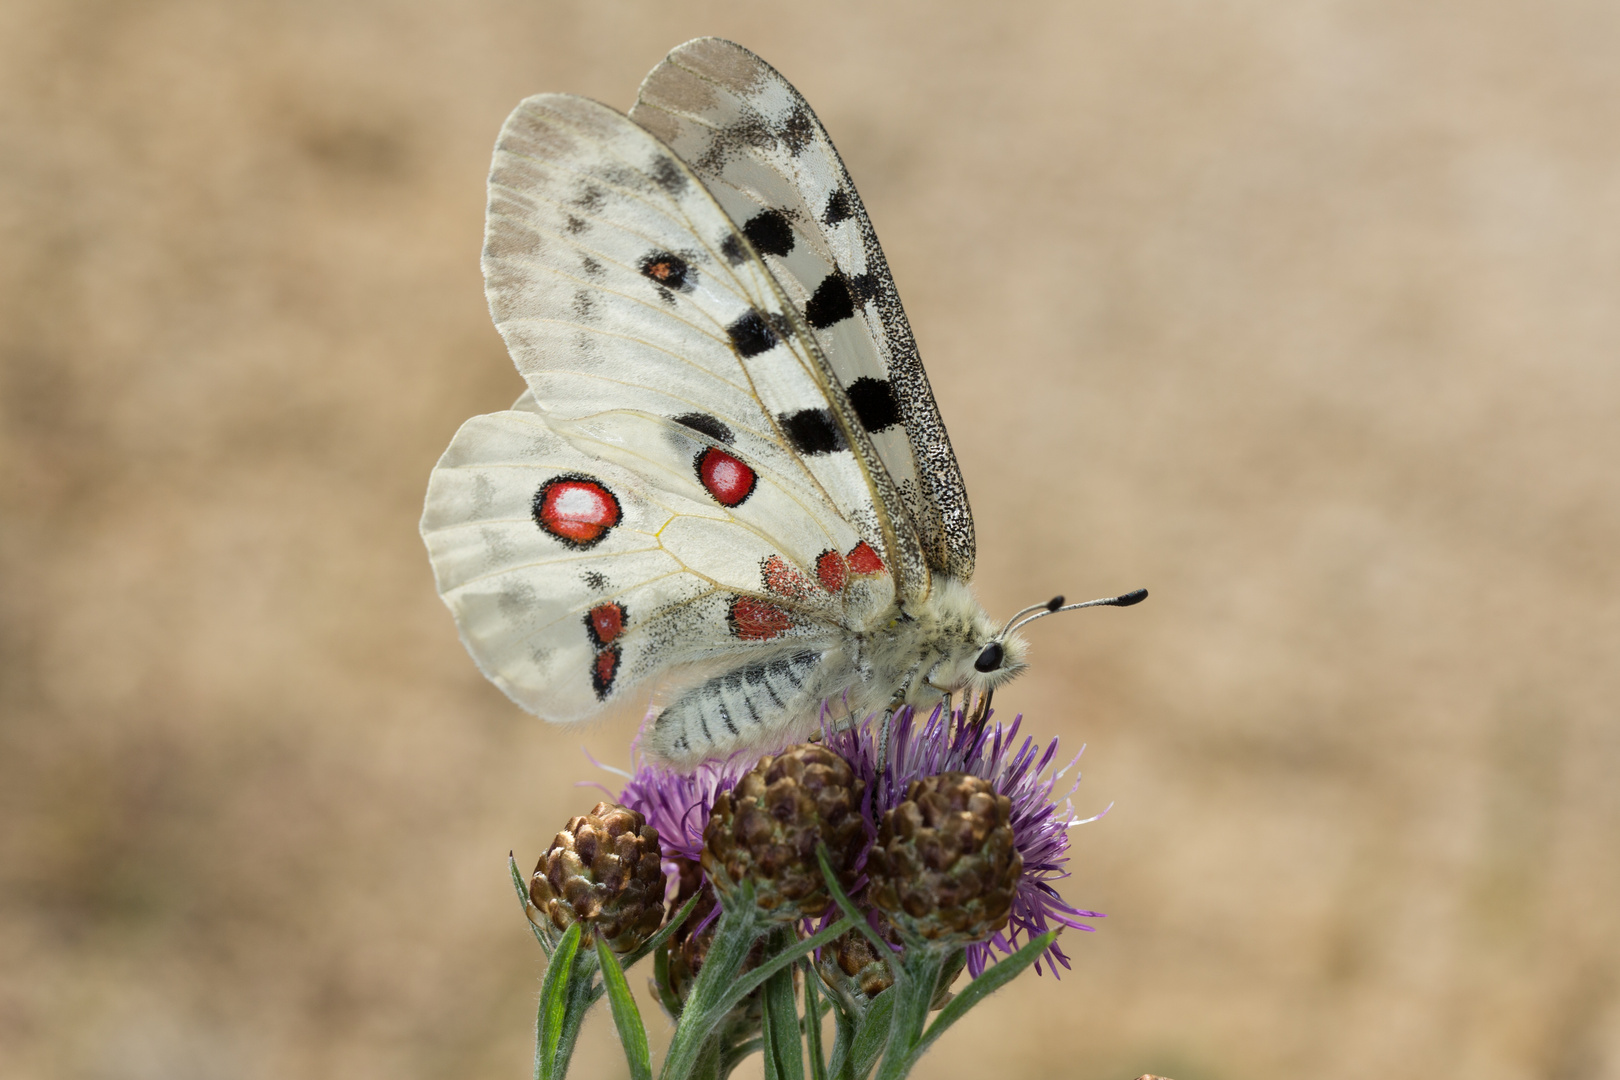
{"x":913,"y":656}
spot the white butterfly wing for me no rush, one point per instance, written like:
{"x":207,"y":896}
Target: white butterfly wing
{"x":766,"y":158}
{"x":685,"y":480}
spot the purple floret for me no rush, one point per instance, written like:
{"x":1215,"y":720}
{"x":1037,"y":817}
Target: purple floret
{"x":1040,"y":825}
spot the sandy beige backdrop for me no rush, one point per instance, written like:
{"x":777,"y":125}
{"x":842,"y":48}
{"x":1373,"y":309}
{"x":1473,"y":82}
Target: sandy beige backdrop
{"x":1306,"y":315}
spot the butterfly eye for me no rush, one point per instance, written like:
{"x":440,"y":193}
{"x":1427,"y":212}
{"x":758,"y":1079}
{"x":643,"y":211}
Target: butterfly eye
{"x":990,"y":659}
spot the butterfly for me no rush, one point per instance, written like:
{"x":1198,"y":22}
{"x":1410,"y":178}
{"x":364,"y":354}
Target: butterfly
{"x":728,"y":471}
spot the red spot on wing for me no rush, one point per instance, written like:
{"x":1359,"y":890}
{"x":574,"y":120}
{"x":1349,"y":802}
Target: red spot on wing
{"x":727,"y":478}
{"x":832,"y":570}
{"x":605,"y":622}
{"x":576,"y":509}
{"x":755,"y":620}
{"x":863,"y":560}
{"x":603,"y":671}
{"x":783,"y":579}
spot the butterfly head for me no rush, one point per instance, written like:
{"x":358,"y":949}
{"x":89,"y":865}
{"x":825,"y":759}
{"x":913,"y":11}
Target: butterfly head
{"x":988,"y":656}
{"x":1001,"y":658}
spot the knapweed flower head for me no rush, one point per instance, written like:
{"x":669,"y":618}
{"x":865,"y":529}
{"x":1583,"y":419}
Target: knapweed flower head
{"x":603,"y":870}
{"x":945,"y":868}
{"x":943,"y":743}
{"x":766,"y":830}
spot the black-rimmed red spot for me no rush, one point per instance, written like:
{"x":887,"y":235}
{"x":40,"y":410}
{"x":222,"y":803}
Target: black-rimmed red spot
{"x":782,"y":579}
{"x":603,"y":671}
{"x":832,"y":571}
{"x":863,"y":560}
{"x":576,"y":510}
{"x":727,"y":478}
{"x":756,"y":620}
{"x":605,"y":622}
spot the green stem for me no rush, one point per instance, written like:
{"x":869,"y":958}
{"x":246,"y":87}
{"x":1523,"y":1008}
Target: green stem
{"x":920,"y":968}
{"x":710,"y":1064}
{"x":734,"y":935}
{"x":812,"y":1020}
{"x":844,"y":1024}
{"x":871,"y":1033}
{"x":784,"y":1050}
{"x":583,"y":992}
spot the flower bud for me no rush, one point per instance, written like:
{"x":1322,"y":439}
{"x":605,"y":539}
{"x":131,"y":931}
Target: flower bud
{"x":945,"y":867}
{"x":852,"y":967}
{"x":602,"y":869}
{"x":766,"y":828}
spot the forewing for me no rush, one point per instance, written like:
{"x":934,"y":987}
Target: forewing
{"x":634,"y":307}
{"x":766,"y":158}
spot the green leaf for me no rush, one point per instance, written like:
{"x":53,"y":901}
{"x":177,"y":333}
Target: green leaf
{"x":523,"y":898}
{"x":660,"y":980}
{"x":993,"y":979}
{"x":812,"y":1020}
{"x":734,"y":936}
{"x":784,"y":1053}
{"x":841,"y":898}
{"x":871,"y":1036}
{"x":554,"y":1004}
{"x":700,"y":1017}
{"x":727,"y":1060}
{"x":583,"y":991}
{"x":626,"y":1017}
{"x":754,"y":979}
{"x":664,"y":932}
{"x":920,"y":967}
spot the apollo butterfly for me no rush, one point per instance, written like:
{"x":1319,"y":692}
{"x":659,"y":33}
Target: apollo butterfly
{"x":728,"y":472}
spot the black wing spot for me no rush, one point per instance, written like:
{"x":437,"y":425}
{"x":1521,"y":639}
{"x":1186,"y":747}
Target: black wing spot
{"x":708,"y":425}
{"x":797,"y":130}
{"x":591,"y":267}
{"x":751,"y":334}
{"x":732,"y":249}
{"x":770,"y":232}
{"x":576,"y":225}
{"x":591,"y":199}
{"x":812,"y":431}
{"x":668,"y":175}
{"x":838,"y":208}
{"x":584,"y":306}
{"x":594,"y":579}
{"x":874,"y":403}
{"x":830,"y":304}
{"x":863,"y":287}
{"x":667,"y":269}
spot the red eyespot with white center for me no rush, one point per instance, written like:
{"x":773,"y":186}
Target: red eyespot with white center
{"x":604,"y":623}
{"x":863,"y":560}
{"x":832,"y":571}
{"x":727,"y":478}
{"x":756,"y":620}
{"x":576,"y":510}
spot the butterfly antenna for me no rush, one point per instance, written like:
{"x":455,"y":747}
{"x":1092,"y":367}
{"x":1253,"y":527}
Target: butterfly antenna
{"x":1051,"y":605}
{"x":1056,"y":604}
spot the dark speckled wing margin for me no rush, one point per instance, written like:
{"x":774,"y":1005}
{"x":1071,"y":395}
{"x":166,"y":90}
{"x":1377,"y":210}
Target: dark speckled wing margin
{"x":765,"y":157}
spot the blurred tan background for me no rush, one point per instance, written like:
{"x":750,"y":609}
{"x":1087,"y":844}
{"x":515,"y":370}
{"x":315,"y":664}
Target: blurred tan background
{"x":1306,"y":315}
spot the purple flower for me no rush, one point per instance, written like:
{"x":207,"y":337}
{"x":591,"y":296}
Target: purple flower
{"x":677,"y":804}
{"x":1040,"y":826}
